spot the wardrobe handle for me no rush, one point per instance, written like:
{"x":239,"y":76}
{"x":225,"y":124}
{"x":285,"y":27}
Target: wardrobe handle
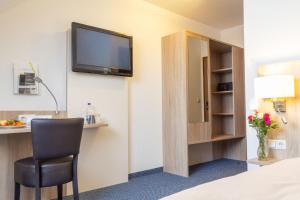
{"x":202,"y":93}
{"x":204,"y":76}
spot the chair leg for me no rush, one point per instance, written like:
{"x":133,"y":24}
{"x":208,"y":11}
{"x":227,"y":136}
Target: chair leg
{"x":37,"y":193}
{"x":59,"y":192}
{"x":75,"y":178}
{"x":75,"y":188}
{"x":37,"y":180}
{"x":17,"y":191}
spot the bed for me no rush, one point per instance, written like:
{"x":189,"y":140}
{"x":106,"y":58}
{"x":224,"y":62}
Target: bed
{"x":280,"y":181}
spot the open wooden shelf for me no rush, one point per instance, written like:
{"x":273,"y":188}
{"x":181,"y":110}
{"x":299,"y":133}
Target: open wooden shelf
{"x":222,"y":70}
{"x":224,"y":137}
{"x":223,"y":114}
{"x":216,"y":139}
{"x":222,"y":92}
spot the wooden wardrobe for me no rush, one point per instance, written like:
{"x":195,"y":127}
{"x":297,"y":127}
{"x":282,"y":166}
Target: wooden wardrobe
{"x":201,"y":123}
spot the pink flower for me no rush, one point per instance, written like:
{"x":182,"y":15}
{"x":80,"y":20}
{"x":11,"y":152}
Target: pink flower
{"x":250,"y":118}
{"x":267,"y":118}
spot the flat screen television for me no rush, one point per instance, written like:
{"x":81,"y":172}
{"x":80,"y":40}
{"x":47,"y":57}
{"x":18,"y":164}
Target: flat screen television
{"x":95,"y":50}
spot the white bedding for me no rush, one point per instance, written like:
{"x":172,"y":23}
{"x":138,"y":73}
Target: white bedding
{"x":280,"y":181}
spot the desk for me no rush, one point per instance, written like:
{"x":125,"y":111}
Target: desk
{"x":4,"y":131}
{"x":16,"y":144}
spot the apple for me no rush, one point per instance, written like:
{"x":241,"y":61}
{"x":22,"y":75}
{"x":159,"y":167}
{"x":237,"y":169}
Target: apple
{"x":3,"y":123}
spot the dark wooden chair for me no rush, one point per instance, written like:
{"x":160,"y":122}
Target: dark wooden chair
{"x":56,"y":144}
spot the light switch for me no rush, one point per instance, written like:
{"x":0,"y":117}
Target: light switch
{"x":277,"y":144}
{"x":280,"y":144}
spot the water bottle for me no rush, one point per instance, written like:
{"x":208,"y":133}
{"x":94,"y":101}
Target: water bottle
{"x":90,"y":116}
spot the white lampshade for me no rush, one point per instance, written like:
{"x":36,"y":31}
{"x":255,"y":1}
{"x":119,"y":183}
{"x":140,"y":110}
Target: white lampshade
{"x":275,"y":86}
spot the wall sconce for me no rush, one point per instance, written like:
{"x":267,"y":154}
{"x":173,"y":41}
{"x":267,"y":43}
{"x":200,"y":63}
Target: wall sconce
{"x":277,"y":88}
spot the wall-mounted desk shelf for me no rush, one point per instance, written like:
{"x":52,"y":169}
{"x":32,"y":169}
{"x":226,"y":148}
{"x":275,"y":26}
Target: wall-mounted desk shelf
{"x":96,"y":125}
{"x":4,"y":131}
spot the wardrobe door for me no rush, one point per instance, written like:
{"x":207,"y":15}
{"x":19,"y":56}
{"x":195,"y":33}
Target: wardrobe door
{"x":174,"y":87}
{"x":198,"y":102}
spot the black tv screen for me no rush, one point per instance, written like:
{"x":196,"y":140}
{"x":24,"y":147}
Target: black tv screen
{"x":95,"y":50}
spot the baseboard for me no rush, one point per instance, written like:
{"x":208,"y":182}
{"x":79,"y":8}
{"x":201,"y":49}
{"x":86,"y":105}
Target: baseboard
{"x":160,"y":169}
{"x":146,"y":172}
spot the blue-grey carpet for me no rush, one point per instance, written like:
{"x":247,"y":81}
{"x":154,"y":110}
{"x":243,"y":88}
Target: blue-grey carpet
{"x":157,"y":185}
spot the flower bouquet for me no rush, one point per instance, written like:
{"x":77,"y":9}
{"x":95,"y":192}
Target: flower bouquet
{"x":262,"y":122}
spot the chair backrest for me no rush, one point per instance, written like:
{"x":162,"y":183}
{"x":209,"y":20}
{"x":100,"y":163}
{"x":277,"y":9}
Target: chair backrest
{"x":54,"y":138}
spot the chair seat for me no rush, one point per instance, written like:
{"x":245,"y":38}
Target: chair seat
{"x":53,"y":172}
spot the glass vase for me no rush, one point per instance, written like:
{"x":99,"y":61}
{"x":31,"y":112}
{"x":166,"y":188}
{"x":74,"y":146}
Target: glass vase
{"x":262,"y":150}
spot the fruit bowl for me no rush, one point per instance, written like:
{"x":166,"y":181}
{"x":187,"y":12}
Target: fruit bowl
{"x":12,"y":124}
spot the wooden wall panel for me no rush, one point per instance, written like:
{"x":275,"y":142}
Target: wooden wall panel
{"x":200,"y":153}
{"x":231,"y":149}
{"x":174,"y":86}
{"x":236,"y":149}
{"x":239,"y":91}
{"x":198,"y":132}
{"x":291,"y":131}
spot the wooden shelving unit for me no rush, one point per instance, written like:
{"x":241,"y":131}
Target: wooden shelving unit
{"x":200,"y":123}
{"x":222,"y":106}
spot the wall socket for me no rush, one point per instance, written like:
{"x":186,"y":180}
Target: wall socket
{"x":277,"y":144}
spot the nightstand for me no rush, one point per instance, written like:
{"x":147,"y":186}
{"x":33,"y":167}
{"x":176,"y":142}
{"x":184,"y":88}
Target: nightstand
{"x":269,"y":161}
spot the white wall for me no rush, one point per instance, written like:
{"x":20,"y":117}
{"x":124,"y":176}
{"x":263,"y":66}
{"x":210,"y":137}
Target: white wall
{"x":233,"y":35}
{"x":271,"y":35}
{"x":38,"y":30}
{"x":26,"y":37}
{"x":145,"y":98}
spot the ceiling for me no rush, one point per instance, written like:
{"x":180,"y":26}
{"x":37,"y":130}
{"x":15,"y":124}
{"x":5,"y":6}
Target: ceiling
{"x":220,"y":14}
